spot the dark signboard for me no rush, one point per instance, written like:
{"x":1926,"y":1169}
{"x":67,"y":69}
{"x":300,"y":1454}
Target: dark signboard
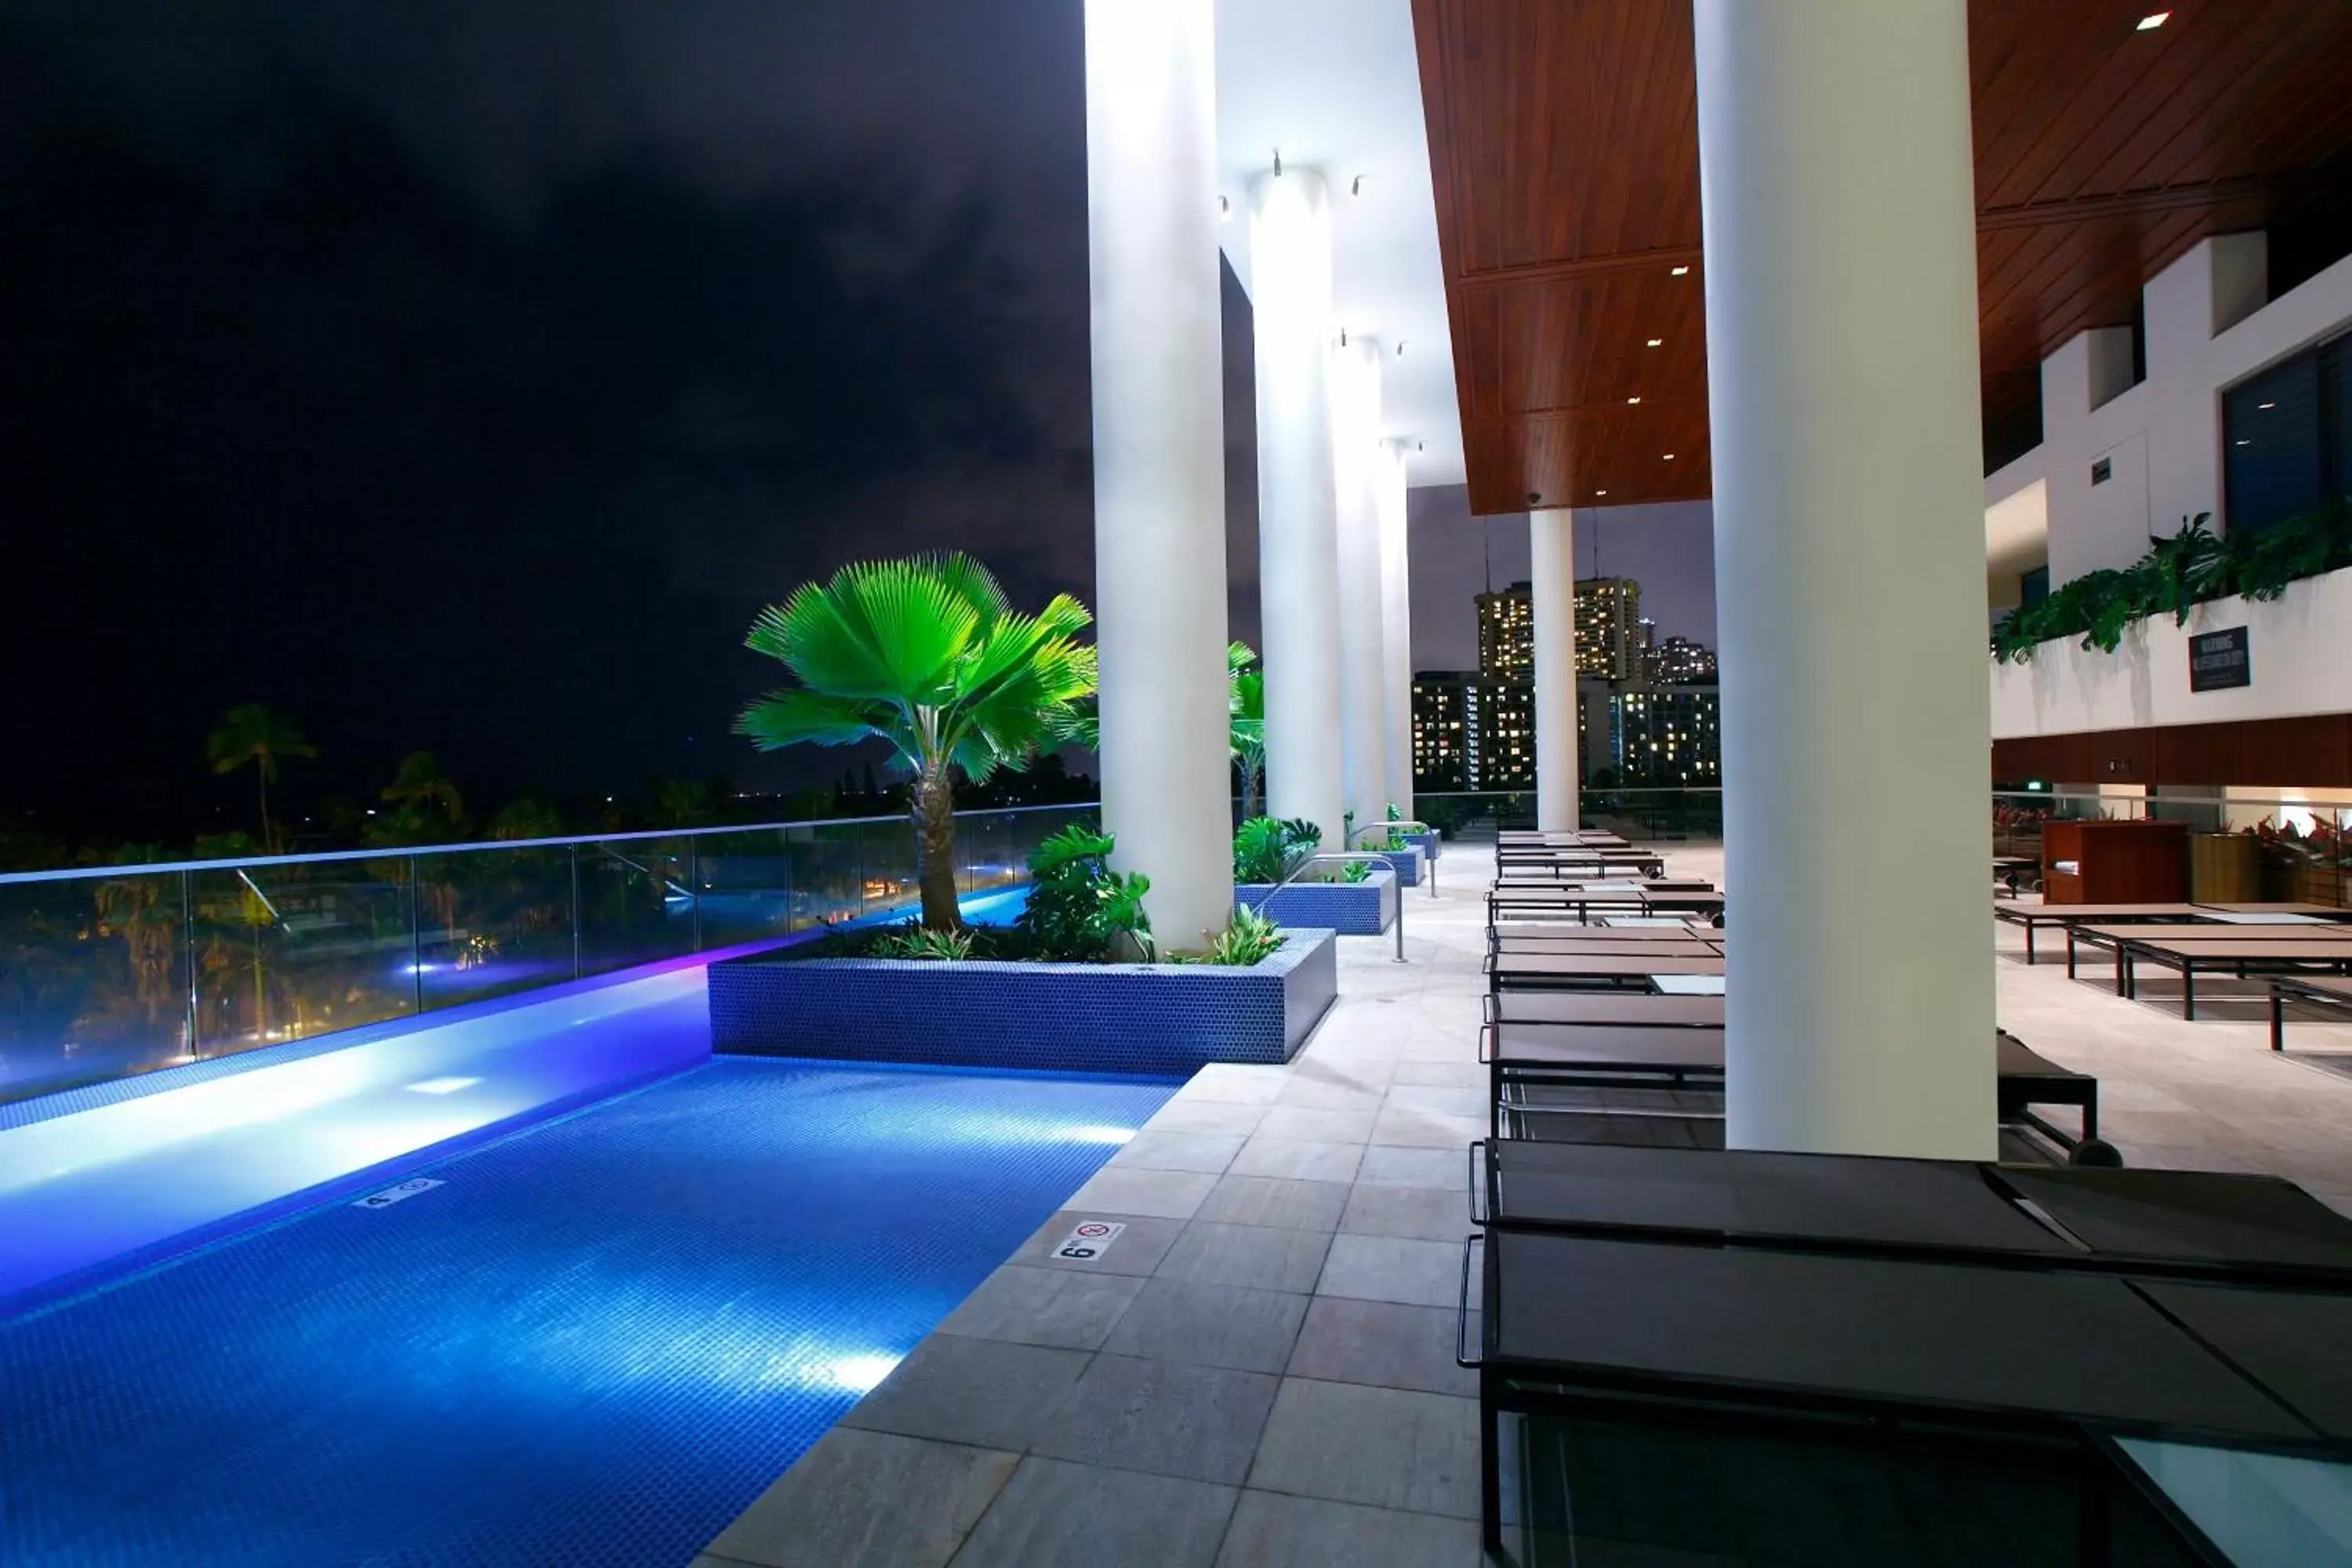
{"x":2218,"y":661}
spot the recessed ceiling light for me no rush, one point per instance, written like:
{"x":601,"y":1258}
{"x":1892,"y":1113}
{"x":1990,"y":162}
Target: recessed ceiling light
{"x":2244,"y":443}
{"x":1657,"y":343}
{"x":1670,"y":457}
{"x":1632,"y":400}
{"x":1601,"y":492}
{"x":2266,"y":406}
{"x":1680,"y":271}
{"x":2152,"y":21}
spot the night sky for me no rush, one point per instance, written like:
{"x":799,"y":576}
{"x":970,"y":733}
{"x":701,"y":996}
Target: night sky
{"x":463,"y":376}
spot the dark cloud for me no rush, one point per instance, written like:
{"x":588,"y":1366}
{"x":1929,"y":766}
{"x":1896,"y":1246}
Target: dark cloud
{"x":450,"y":383}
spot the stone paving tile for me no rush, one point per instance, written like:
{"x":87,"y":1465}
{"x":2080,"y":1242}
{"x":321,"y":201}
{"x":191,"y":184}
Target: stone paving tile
{"x":1067,"y":1308}
{"x":1138,"y":1249}
{"x":1272,"y":1200}
{"x":1258,"y":1256}
{"x":984,"y":1393}
{"x":1054,"y":1515}
{"x":1236,"y":1083}
{"x":1393,"y":1269}
{"x":1303,"y":1162}
{"x":1447,"y":1100}
{"x":1128,"y":1189}
{"x":1411,"y":1125}
{"x":1312,"y":1093}
{"x":1382,"y":1448}
{"x":1211,"y":1325}
{"x":1424,"y":1213}
{"x":1384,"y":1344}
{"x":1318,"y":1126}
{"x":869,"y":1500}
{"x":1462,"y":1074}
{"x":1389,"y":1165}
{"x":1269,"y":1528}
{"x":1168,"y":1418}
{"x":1180,"y":1115}
{"x":1209,"y":1152}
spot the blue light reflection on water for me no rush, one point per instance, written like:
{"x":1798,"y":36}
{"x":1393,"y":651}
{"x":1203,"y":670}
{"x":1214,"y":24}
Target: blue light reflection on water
{"x":597,"y":1342}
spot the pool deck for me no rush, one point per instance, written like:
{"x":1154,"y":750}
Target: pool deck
{"x":1260,"y":1369}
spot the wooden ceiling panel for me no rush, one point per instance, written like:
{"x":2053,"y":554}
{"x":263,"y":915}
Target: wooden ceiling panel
{"x":1564,"y":141}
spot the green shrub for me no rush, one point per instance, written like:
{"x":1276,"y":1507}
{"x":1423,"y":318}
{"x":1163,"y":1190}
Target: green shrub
{"x":1250,"y":938}
{"x":1266,"y":850}
{"x":1079,"y":910}
{"x":916,"y":942}
{"x":2187,"y":569}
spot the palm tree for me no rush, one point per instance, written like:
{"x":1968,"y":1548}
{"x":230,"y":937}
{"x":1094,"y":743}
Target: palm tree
{"x":927,"y":654}
{"x":420,"y":793}
{"x":1245,"y":701}
{"x":252,"y":734}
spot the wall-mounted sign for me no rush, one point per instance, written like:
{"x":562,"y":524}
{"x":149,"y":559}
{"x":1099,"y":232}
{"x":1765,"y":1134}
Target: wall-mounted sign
{"x":2218,"y":661}
{"x":2103,"y":470}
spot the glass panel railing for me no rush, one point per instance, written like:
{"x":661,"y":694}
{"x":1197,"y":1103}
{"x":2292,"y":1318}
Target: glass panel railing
{"x":825,"y":876}
{"x":743,"y":887}
{"x":636,"y":902}
{"x":1654,"y":816}
{"x":112,"y":972}
{"x":493,"y":921}
{"x":286,"y":950}
{"x":93,"y":980}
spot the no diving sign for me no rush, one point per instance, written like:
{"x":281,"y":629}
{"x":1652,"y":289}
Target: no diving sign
{"x":391,"y":1196}
{"x":1089,"y":1239}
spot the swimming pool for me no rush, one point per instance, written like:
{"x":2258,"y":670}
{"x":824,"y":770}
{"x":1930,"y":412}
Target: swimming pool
{"x":595,"y":1342}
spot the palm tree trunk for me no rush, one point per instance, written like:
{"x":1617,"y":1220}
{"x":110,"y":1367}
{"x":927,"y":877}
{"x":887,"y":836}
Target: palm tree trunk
{"x":935,"y":850}
{"x":1249,"y":790}
{"x":268,"y":843}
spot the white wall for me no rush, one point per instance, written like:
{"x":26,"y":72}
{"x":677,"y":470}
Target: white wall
{"x":2207,"y":329}
{"x":2299,"y":647}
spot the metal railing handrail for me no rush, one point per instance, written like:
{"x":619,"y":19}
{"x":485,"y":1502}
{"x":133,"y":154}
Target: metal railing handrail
{"x":479,"y":846}
{"x":1428,"y":863}
{"x":1346,"y":854}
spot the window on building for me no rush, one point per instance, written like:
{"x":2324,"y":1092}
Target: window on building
{"x":2287,"y":438}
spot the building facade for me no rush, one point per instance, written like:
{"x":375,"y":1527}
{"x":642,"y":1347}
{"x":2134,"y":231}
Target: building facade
{"x":1472,"y":731}
{"x":1678,"y":661}
{"x":1613,"y":639}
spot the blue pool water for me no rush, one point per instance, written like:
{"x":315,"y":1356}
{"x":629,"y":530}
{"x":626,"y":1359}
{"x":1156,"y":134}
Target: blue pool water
{"x":595,"y":1343}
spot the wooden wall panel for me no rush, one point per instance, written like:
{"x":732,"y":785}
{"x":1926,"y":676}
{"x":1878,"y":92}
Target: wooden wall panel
{"x":2197,"y":755}
{"x":2122,"y":756}
{"x":2315,"y":751}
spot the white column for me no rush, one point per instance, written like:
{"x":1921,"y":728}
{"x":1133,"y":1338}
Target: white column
{"x":1396,"y":623}
{"x":1298,"y":550}
{"x":1356,"y":453}
{"x":1158,"y":454}
{"x":1849,"y":516}
{"x":1551,"y":570}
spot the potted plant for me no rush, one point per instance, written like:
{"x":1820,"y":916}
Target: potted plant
{"x":1054,"y":992}
{"x":1273,"y":874}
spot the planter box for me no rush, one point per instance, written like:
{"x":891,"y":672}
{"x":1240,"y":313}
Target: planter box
{"x":1161,"y":1018}
{"x":1426,"y":842}
{"x":1406,"y":864}
{"x":1352,"y":909}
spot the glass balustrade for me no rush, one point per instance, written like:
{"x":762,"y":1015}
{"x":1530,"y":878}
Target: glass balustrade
{"x":111,"y":971}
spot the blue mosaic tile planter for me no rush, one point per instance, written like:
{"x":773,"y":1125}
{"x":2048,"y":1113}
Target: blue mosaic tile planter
{"x":1426,"y":842}
{"x":1352,"y":909}
{"x":1406,"y":864}
{"x":1160,"y":1018}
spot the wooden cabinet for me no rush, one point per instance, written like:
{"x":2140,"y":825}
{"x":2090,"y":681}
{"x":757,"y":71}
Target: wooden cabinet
{"x":2114,"y":862}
